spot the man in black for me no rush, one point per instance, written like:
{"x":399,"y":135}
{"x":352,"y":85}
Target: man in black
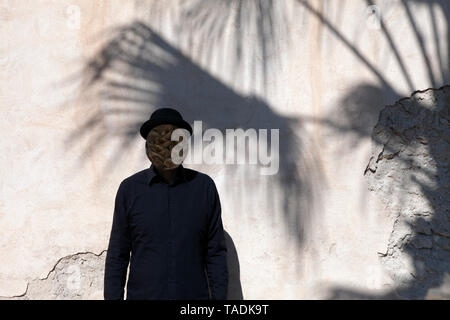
{"x":167,"y":226}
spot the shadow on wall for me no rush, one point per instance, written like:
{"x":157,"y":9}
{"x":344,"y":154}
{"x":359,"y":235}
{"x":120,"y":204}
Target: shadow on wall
{"x":258,"y":27}
{"x":234,"y":275}
{"x":409,"y":168}
{"x":137,"y":71}
{"x":410,"y":171}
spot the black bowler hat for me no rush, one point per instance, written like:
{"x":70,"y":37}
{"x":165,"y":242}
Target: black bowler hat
{"x":164,"y":116}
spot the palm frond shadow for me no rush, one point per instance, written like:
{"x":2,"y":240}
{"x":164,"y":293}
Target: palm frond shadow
{"x":138,"y":71}
{"x":360,"y":107}
{"x":258,"y":28}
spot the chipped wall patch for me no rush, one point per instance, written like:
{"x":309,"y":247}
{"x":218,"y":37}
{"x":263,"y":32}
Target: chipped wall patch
{"x":409,"y":170}
{"x":74,"y":277}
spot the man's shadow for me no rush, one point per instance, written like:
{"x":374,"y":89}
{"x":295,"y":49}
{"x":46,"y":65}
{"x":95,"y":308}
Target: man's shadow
{"x":234,"y":276}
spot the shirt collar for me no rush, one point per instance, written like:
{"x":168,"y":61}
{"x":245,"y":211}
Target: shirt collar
{"x":153,"y":175}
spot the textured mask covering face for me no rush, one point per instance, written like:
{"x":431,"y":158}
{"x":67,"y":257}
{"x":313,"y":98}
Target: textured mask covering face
{"x":159,"y":146}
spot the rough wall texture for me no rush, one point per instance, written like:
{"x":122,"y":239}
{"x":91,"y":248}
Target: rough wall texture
{"x":410,"y":171}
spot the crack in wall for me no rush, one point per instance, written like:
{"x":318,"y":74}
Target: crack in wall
{"x":75,"y":276}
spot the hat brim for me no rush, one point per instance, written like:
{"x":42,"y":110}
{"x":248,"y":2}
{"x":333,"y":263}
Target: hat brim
{"x":148,"y":125}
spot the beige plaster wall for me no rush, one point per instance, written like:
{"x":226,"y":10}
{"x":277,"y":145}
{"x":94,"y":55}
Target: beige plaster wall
{"x":79,"y":77}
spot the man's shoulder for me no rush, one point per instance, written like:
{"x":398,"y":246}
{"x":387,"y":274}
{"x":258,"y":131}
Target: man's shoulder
{"x":200,"y":176}
{"x":137,"y":177}
{"x":141,"y":177}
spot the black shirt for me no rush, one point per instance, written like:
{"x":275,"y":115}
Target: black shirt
{"x":174,"y":234}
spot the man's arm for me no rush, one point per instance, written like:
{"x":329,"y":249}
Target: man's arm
{"x":216,"y":260}
{"x":118,"y":254}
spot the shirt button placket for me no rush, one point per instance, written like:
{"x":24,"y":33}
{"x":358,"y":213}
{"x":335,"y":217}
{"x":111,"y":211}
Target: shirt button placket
{"x":171,"y":270}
